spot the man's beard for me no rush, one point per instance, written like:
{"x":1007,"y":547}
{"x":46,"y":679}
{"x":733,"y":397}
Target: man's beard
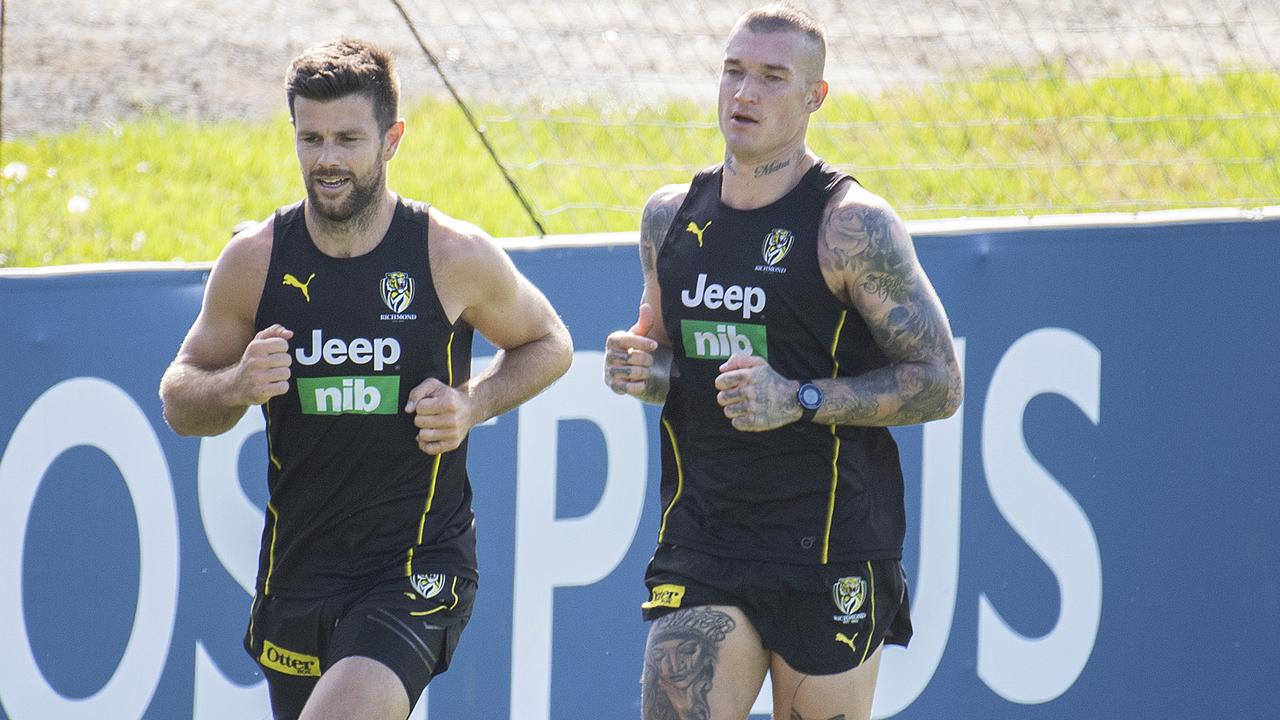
{"x":362,"y":195}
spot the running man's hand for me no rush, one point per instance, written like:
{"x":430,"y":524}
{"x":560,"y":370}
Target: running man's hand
{"x":629,"y":356}
{"x":754,"y":396}
{"x":442,"y":415}
{"x":263,"y":370}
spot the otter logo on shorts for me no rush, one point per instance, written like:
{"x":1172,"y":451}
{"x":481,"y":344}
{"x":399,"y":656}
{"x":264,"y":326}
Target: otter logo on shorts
{"x":428,"y":586}
{"x":665,"y":596}
{"x":849,"y":594}
{"x":289,"y":662}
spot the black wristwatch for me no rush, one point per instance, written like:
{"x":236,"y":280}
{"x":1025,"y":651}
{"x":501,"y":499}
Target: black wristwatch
{"x":810,"y":398}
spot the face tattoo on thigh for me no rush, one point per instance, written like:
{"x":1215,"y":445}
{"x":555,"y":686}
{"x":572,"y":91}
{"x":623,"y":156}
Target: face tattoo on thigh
{"x":681,"y":663}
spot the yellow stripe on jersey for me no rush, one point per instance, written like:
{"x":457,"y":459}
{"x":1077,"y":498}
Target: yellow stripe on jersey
{"x":271,"y":552}
{"x":675,"y":450}
{"x":871,"y":580}
{"x":271,"y":453}
{"x":836,"y":341}
{"x":835,"y":455}
{"x":435,"y":471}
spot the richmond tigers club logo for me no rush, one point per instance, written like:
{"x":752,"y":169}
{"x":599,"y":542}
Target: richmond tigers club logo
{"x":428,"y":586}
{"x":397,"y":291}
{"x":776,"y":245}
{"x":849,"y":594}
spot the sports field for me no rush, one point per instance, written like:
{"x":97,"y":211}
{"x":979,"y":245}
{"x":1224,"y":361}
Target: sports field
{"x":147,"y":131}
{"x":163,"y":188}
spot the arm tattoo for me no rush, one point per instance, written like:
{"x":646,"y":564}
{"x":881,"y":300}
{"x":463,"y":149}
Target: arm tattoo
{"x":654,"y":224}
{"x":867,"y":244}
{"x":680,"y":663}
{"x":885,"y":286}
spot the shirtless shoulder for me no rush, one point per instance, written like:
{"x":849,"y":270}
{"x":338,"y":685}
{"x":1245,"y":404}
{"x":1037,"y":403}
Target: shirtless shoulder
{"x":462,"y":257}
{"x":860,"y":235}
{"x":655,"y":222}
{"x":240,"y":272}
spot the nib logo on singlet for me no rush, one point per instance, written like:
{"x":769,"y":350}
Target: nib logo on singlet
{"x":710,"y":340}
{"x":339,"y":395}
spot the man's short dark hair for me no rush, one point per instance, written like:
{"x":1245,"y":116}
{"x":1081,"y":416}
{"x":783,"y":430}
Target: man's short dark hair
{"x":344,"y":67}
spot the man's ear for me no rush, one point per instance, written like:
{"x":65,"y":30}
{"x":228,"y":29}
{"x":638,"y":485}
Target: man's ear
{"x":817,"y":95}
{"x":391,"y":140}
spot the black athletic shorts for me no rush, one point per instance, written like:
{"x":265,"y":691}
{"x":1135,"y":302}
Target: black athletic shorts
{"x":411,"y":625}
{"x":822,"y":619}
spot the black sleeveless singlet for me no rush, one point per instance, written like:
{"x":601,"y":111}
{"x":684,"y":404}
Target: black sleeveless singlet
{"x":353,"y":500}
{"x":736,"y":281}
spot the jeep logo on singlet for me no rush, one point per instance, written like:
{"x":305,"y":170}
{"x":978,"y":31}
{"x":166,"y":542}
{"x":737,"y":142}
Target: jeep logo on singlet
{"x":342,"y":395}
{"x":734,"y":297}
{"x":361,"y":351}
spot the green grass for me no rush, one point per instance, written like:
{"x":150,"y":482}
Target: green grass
{"x":163,"y":189}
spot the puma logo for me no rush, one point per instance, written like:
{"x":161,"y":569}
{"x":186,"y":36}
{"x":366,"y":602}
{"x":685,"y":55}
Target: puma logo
{"x":842,"y":638}
{"x":697,"y":231}
{"x":292,"y":281}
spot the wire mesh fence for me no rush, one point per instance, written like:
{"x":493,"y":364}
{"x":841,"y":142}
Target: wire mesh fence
{"x":945,"y":107}
{"x":965,"y":107}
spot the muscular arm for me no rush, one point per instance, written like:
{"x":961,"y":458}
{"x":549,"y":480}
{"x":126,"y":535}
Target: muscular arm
{"x":222,"y":367}
{"x":478,"y":280}
{"x":638,"y":361}
{"x":869,"y":260}
{"x":534,"y":346}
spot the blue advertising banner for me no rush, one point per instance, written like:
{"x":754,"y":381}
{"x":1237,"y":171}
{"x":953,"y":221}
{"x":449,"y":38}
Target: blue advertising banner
{"x":1079,"y":533}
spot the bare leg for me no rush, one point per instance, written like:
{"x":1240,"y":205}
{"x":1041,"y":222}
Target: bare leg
{"x":358,"y":687}
{"x":843,"y":696}
{"x":702,"y":663}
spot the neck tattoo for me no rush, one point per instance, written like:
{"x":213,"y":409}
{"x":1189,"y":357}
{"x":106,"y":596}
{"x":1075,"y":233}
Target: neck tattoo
{"x":771,"y":168}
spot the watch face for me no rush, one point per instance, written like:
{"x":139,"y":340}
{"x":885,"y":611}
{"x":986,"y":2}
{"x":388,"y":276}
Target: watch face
{"x":810,"y":396}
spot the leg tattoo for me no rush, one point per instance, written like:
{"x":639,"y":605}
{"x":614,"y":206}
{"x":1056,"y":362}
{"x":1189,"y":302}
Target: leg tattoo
{"x":680,"y":664}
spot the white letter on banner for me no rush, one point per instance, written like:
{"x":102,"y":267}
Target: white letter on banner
{"x":553,"y":553}
{"x":96,"y":413}
{"x":233,"y":526}
{"x":1018,"y":668}
{"x":232,"y":522}
{"x":906,"y":672}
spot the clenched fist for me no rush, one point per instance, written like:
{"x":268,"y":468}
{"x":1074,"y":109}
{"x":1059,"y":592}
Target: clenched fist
{"x":263,"y":370}
{"x":442,"y":415}
{"x":629,"y":355}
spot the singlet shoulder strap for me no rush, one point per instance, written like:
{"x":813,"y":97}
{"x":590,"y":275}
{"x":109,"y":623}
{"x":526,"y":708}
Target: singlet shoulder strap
{"x":828,"y":178}
{"x":705,"y":175}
